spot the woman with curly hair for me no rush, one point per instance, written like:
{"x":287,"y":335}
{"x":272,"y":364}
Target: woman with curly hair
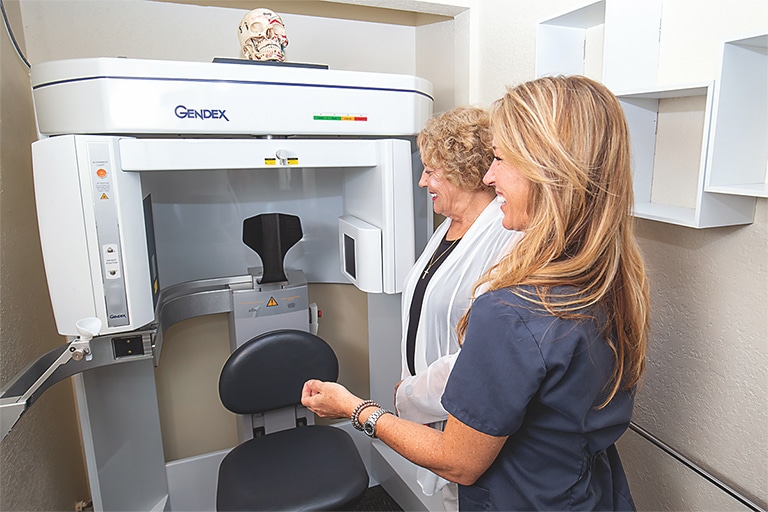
{"x":456,"y":152}
{"x":553,"y":346}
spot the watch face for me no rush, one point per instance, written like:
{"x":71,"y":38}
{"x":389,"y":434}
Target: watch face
{"x":369,"y":428}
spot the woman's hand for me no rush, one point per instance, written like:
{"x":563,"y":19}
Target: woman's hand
{"x":328,"y":399}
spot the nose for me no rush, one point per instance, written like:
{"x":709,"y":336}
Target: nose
{"x":490,"y":177}
{"x":423,"y":179}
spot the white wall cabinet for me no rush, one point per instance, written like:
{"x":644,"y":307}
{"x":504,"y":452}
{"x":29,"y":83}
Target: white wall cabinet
{"x":613,"y":41}
{"x":670,"y":136}
{"x":699,"y":151}
{"x":739,"y":150}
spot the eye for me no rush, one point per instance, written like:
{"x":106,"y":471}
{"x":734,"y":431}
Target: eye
{"x":497,"y":158}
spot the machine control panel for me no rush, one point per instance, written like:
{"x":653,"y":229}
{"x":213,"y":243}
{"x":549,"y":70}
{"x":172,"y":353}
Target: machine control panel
{"x":108,"y":233}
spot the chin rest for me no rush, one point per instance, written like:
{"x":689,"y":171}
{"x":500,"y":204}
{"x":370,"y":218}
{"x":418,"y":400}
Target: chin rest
{"x":311,"y":467}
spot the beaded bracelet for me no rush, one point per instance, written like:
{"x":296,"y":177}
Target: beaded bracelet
{"x":356,"y":414}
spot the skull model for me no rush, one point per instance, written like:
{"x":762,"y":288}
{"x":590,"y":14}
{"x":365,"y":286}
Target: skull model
{"x":262,"y":35}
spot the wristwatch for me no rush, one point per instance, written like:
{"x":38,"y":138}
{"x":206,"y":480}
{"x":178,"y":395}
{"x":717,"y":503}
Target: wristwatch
{"x":369,"y":427}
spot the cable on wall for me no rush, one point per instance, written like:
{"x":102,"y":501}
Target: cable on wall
{"x":9,"y":30}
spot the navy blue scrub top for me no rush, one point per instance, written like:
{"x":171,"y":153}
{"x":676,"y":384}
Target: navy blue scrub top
{"x":538,"y":379}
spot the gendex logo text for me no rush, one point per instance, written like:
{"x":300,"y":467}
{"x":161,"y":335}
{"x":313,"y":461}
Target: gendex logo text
{"x":183,"y":112}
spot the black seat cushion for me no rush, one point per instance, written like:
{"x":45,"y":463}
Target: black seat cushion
{"x":316,"y":467}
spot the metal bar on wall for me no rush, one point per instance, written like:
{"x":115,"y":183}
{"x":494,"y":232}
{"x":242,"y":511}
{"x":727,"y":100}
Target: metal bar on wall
{"x":694,"y":467}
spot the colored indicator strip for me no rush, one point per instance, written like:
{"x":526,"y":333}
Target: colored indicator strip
{"x":289,"y":161}
{"x":340,"y":118}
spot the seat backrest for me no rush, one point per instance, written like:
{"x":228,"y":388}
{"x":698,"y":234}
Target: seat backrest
{"x":269,"y":371}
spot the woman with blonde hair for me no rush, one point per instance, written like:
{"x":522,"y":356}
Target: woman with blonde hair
{"x":554,"y":342}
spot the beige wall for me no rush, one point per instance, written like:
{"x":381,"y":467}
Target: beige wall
{"x":41,"y":461}
{"x":168,"y":31}
{"x":706,"y":389}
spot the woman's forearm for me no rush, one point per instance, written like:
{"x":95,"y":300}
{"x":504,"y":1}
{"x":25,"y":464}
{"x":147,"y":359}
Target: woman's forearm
{"x":459,"y":454}
{"x":418,"y":443}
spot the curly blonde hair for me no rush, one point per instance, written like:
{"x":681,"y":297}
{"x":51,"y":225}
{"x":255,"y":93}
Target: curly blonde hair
{"x":458,"y":142}
{"x":568,"y":136}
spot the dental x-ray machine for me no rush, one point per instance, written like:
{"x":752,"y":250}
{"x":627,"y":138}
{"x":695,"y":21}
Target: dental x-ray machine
{"x":170,"y":190}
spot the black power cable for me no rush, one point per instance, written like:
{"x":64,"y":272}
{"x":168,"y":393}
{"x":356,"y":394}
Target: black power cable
{"x":13,"y":39}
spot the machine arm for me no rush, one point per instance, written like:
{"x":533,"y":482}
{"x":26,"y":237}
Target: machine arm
{"x":83,"y":353}
{"x":46,"y":371}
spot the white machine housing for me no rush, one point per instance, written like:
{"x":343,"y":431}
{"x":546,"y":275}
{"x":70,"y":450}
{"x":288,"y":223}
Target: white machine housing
{"x":135,"y":96}
{"x":331,"y":144}
{"x":143,"y":176}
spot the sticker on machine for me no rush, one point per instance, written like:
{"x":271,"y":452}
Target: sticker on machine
{"x":340,"y":117}
{"x":288,"y":161}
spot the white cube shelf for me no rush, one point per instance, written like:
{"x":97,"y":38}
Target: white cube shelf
{"x":739,"y":150}
{"x":670,"y":135}
{"x":613,"y":41}
{"x":700,"y":151}
{"x":561,"y":42}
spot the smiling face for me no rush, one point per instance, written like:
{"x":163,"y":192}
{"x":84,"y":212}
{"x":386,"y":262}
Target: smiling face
{"x":512,"y":191}
{"x":445,"y":195}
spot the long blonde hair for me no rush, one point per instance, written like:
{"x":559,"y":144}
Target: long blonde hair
{"x":569,"y":138}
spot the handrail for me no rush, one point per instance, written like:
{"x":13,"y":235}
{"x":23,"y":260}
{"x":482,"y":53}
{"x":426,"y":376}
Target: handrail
{"x":696,"y":468}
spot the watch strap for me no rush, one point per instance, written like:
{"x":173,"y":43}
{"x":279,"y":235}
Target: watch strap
{"x":369,"y":427}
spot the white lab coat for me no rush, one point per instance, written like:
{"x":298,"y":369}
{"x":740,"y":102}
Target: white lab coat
{"x":446,"y":299}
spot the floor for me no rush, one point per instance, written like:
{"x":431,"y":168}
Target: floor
{"x":376,"y":499}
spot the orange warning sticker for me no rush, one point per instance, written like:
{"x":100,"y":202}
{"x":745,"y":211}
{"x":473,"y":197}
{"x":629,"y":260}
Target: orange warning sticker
{"x":272,"y":302}
{"x":104,"y":196}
